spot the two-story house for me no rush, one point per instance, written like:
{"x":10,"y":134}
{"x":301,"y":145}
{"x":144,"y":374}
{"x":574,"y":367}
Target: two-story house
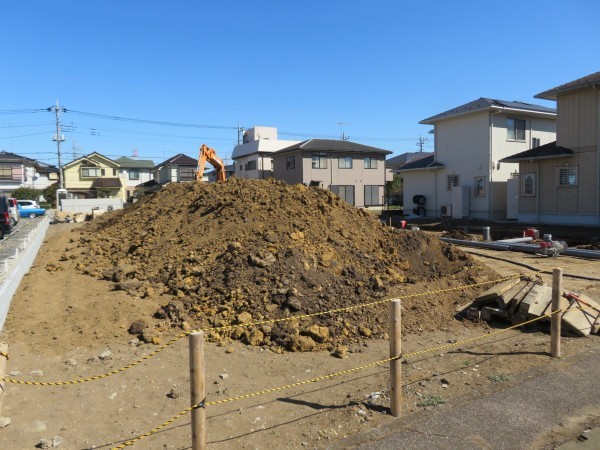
{"x":465,"y":177}
{"x":179,"y":168}
{"x":354,"y":171}
{"x":252,"y":158}
{"x":94,"y":176}
{"x":560,"y":181}
{"x":18,"y":171}
{"x":134,"y":171}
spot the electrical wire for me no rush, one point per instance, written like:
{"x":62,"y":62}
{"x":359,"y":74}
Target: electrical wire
{"x":25,"y":135}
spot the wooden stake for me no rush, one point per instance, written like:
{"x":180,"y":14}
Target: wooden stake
{"x":197,"y":390}
{"x":555,"y":321}
{"x":3,"y":348}
{"x":395,"y":351}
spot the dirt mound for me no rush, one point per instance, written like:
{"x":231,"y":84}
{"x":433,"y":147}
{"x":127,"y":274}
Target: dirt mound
{"x":457,"y":234}
{"x":250,"y":250}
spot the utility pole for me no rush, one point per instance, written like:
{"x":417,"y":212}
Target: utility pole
{"x":58,"y":137}
{"x":343,"y":137}
{"x":240,"y":131}
{"x":421,"y":143}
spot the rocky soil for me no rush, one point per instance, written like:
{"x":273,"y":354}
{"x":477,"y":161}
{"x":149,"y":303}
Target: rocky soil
{"x":215,"y":255}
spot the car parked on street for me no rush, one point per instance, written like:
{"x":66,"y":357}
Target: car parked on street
{"x":30,"y":208}
{"x":5,"y":220}
{"x":13,"y":209}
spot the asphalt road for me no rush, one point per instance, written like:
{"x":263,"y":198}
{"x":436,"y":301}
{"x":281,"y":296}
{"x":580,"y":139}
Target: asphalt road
{"x":521,"y":416}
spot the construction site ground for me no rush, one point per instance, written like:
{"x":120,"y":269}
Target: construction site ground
{"x":51,"y":337}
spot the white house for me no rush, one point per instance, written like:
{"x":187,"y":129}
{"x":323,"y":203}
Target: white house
{"x":18,"y":171}
{"x":134,"y":172}
{"x":252,"y":158}
{"x":464,"y":178}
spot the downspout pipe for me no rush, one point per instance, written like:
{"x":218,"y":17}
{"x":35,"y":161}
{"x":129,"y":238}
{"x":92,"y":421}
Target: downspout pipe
{"x":491,"y":160}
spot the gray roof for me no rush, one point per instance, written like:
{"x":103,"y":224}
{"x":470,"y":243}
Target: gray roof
{"x":428,"y":162}
{"x":332,"y":145}
{"x":179,"y":160}
{"x":9,"y":157}
{"x":580,"y":83}
{"x":483,"y":104}
{"x":400,"y":160}
{"x":135,"y":163}
{"x":546,"y":151}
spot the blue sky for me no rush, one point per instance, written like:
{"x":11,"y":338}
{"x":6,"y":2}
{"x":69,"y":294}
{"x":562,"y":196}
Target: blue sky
{"x":378,"y":67}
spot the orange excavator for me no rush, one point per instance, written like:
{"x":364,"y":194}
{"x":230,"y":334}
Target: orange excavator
{"x":209,"y":154}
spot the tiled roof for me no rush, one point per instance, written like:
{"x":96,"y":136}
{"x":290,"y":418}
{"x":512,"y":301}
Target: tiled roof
{"x":482,"y":104}
{"x":126,"y":162}
{"x":106,"y":182}
{"x":580,"y":83}
{"x":179,"y":160}
{"x":332,"y":145}
{"x":428,"y":162}
{"x":546,"y":151}
{"x":400,"y":160}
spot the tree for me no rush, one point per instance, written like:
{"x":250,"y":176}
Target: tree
{"x":394,"y":190}
{"x":25,"y":193}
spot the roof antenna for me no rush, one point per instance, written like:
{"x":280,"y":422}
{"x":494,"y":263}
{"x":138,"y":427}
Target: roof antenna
{"x":343,"y":137}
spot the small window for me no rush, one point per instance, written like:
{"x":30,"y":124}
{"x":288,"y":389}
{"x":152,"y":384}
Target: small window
{"x":251,"y":165}
{"x":134,"y":174}
{"x":567,"y":176}
{"x":5,"y":173}
{"x":452,"y":181}
{"x":370,"y":162}
{"x":290,"y":162}
{"x":187,"y":173}
{"x":241,"y":168}
{"x":345,"y":162}
{"x":515,"y":129}
{"x":319,"y":161}
{"x":528,"y":185}
{"x":479,"y":187}
{"x":114,"y":172}
{"x":535,"y":142}
{"x":90,"y":172}
{"x":103,"y":172}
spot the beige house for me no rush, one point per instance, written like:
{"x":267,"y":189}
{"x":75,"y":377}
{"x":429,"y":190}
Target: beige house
{"x":560,"y":181}
{"x":465,"y":177}
{"x":355,"y":172}
{"x":94,"y":176}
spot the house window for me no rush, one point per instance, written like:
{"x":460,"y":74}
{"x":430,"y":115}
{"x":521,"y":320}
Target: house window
{"x":90,"y":172}
{"x":345,"y":162}
{"x":103,"y":172}
{"x":134,"y":174}
{"x":535,"y":142}
{"x":567,"y":176}
{"x":373,"y":195}
{"x":515,"y":129}
{"x":241,"y":168}
{"x":251,"y":165}
{"x":5,"y":173}
{"x":452,"y":181}
{"x":479,"y":187}
{"x":319,"y":161}
{"x":370,"y":162}
{"x":528,"y":185}
{"x":346,"y":193}
{"x":187,"y":173}
{"x":290,"y":162}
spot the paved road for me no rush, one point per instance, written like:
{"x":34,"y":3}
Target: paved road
{"x":10,"y":243}
{"x":517,"y":417}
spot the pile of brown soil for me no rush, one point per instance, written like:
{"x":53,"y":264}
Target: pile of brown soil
{"x":457,"y":234}
{"x":250,"y":250}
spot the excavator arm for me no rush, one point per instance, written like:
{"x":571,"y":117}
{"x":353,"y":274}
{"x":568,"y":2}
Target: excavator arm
{"x":209,"y":154}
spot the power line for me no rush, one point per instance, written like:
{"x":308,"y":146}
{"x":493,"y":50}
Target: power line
{"x":151,"y":122}
{"x":25,"y":135}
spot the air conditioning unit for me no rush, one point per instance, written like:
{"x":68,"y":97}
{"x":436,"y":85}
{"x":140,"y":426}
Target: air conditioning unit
{"x":446,"y":210}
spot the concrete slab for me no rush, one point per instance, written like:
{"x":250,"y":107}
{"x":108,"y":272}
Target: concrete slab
{"x":504,"y":299}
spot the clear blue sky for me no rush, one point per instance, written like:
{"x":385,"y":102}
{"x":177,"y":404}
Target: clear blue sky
{"x":379,"y":67}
